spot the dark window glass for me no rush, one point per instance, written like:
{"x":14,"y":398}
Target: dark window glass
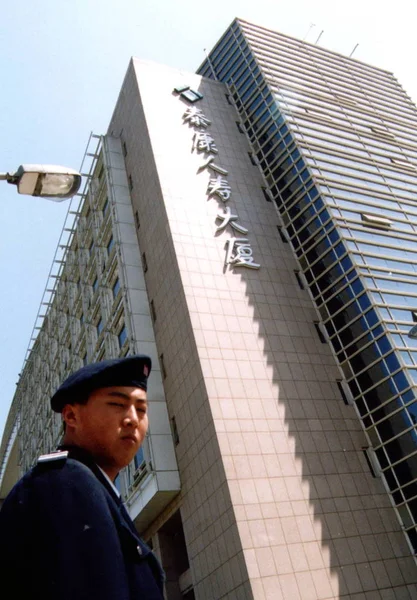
{"x":385,"y":411}
{"x":122,"y":336}
{"x":382,"y":458}
{"x":393,"y":425}
{"x":412,"y":409}
{"x":380,"y":394}
{"x":412,"y":536}
{"x":363,"y":359}
{"x":406,"y":471}
{"x":410,"y":490}
{"x":110,"y":245}
{"x":100,"y":326}
{"x":348,"y":314}
{"x":372,"y":375}
{"x":139,"y":458}
{"x":401,"y":381}
{"x":401,"y":447}
{"x":116,"y":287}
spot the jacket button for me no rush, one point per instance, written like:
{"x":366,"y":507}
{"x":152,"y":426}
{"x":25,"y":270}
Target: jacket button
{"x":139,"y":549}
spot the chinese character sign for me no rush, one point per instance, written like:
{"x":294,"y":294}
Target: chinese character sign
{"x":238,"y":250}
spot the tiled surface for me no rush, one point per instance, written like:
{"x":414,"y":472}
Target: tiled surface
{"x":277,"y":500}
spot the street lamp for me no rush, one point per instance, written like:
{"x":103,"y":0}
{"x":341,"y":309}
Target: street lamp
{"x":412,"y":334}
{"x":49,"y":181}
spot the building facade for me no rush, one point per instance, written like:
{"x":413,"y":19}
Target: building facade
{"x":336,"y":142}
{"x":251,"y":227}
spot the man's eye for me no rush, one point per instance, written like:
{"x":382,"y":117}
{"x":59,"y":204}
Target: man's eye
{"x":116,"y":404}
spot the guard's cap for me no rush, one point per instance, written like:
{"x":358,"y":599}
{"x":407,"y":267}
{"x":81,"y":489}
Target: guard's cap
{"x":130,"y":371}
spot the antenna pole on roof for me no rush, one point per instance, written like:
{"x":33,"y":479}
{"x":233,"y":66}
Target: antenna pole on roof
{"x":351,"y":54}
{"x":210,"y":64}
{"x":321,"y":33}
{"x":309,"y":29}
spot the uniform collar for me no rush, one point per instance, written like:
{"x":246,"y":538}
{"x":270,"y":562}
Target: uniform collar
{"x":110,"y":482}
{"x":85,"y":457}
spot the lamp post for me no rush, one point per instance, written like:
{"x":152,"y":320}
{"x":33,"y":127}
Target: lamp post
{"x":49,"y":181}
{"x":412,"y":334}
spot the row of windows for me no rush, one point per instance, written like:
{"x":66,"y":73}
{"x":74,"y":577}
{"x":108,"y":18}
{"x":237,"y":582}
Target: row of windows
{"x":394,"y":213}
{"x":388,"y":99}
{"x":309,"y":109}
{"x":306,"y":59}
{"x":364,"y":174}
{"x":347,"y":148}
{"x":355,"y":138}
{"x":318,"y":158}
{"x":363,"y":72}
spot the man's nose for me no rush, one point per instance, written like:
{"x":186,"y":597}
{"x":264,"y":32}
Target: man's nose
{"x":131,"y":416}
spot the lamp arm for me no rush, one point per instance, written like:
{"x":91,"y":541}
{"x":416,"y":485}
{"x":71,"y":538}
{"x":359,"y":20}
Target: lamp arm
{"x":9,"y":177}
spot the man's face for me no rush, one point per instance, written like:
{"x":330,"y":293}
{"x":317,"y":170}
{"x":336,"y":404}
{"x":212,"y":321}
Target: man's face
{"x":111,"y":425}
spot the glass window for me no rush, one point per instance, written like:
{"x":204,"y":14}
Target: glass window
{"x":110,"y":245}
{"x":122,"y":337}
{"x":100,"y":326}
{"x":139,"y":458}
{"x":116,"y":288}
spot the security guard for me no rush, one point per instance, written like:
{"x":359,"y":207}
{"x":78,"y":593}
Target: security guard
{"x":64,"y":532}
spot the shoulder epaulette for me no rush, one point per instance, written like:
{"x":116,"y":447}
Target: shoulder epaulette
{"x":53,"y":456}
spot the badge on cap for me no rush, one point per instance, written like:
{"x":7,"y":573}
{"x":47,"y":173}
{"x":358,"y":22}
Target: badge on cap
{"x":146,"y":370}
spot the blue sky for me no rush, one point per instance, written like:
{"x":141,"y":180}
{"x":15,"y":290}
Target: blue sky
{"x":62,"y":65}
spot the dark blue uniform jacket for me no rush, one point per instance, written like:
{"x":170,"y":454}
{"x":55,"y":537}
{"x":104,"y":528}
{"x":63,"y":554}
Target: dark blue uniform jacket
{"x":64,"y":535}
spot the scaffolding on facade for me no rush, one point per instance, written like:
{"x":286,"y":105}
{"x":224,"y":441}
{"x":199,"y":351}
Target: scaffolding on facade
{"x":88,"y":163}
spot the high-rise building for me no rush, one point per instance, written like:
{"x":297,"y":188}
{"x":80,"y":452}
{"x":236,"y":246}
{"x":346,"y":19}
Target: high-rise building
{"x":252,"y":228}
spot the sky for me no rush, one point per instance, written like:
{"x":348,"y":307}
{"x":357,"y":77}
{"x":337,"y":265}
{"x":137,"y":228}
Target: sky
{"x":63,"y":63}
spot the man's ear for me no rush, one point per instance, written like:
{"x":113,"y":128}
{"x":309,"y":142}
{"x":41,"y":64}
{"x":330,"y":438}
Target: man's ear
{"x":70,"y":415}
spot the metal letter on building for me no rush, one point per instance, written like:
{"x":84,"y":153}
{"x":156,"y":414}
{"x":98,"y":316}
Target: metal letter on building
{"x":203,"y":142}
{"x":229,"y":219}
{"x":195,"y":117}
{"x":220,"y":187}
{"x":243,"y":253}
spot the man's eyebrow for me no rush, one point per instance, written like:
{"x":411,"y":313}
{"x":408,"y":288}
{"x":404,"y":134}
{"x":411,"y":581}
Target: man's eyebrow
{"x":119,"y":395}
{"x":124,"y":396}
